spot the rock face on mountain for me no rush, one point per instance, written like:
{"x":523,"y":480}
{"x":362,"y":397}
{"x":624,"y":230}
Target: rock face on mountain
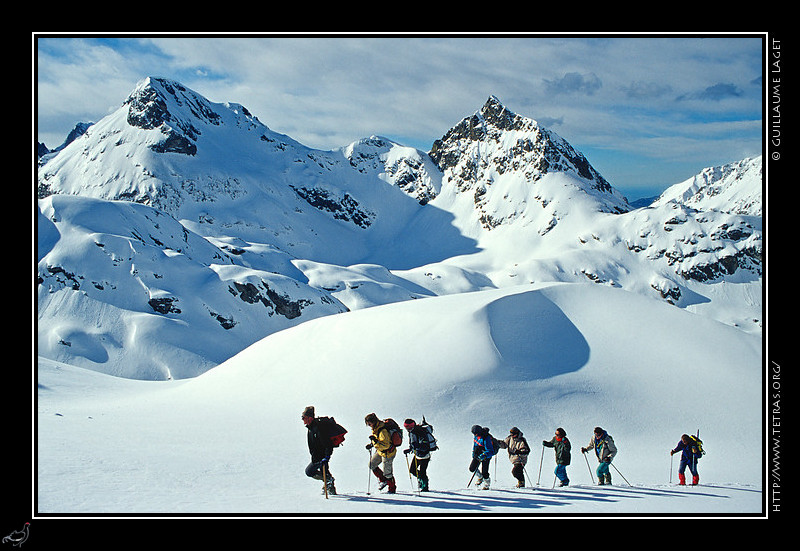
{"x":495,"y":144}
{"x":176,"y":231}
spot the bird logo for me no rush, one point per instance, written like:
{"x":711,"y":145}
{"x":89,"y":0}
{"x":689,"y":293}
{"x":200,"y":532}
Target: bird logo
{"x":18,"y":537}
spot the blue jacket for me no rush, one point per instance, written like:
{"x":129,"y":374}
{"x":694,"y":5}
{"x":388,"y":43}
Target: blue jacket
{"x":483,"y":447}
{"x":687,"y":453}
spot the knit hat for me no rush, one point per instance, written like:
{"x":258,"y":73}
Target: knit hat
{"x":308,"y":412}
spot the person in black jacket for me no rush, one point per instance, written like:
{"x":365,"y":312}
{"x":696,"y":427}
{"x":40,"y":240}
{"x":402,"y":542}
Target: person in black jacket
{"x":419,"y":443}
{"x":320,"y":447}
{"x":563,"y":456}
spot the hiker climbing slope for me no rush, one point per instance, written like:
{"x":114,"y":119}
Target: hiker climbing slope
{"x":323,"y":435}
{"x":385,"y":448}
{"x":484,"y":447}
{"x":518,"y":451}
{"x":421,"y":443}
{"x":691,"y":451}
{"x":563,"y":449}
{"x":605,"y":450}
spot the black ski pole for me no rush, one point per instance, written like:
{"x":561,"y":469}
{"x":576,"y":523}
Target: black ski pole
{"x":470,"y":478}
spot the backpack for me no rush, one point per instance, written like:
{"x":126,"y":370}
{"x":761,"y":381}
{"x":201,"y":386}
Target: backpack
{"x":428,"y":437}
{"x":697,"y":443}
{"x":395,"y":433}
{"x":332,"y":430}
{"x":495,"y":442}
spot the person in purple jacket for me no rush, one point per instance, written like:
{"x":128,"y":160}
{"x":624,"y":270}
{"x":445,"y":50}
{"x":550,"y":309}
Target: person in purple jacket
{"x":690,"y":453}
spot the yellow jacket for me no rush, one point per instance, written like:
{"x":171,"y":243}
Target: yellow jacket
{"x":383,"y":440}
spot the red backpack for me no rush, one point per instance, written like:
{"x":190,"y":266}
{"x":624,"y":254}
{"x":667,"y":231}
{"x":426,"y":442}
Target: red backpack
{"x":395,"y":432}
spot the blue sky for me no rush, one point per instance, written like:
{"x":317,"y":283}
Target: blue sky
{"x":647,"y":111}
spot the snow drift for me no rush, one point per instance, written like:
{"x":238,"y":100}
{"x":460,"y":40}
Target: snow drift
{"x":231,"y":440}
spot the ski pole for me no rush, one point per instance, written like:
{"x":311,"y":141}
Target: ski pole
{"x":620,"y":474}
{"x":671,"y":456}
{"x":541,"y":460}
{"x":325,"y":481}
{"x":369,"y":470}
{"x":409,"y":475}
{"x":588,"y":467}
{"x":524,"y":470}
{"x":470,"y":478}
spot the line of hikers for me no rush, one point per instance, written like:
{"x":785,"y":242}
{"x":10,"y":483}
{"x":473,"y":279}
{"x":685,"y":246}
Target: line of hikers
{"x":324,"y":434}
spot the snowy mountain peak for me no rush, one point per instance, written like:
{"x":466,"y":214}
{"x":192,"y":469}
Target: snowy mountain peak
{"x":734,"y":188}
{"x":502,"y":161}
{"x":179,"y":112}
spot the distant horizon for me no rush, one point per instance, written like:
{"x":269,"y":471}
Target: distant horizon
{"x":647,"y":111}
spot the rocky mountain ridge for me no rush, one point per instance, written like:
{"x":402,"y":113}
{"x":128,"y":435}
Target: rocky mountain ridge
{"x":176,"y":231}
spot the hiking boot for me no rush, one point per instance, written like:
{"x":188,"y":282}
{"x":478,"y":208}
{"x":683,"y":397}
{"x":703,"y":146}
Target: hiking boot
{"x":479,"y":481}
{"x":382,"y":480}
{"x":485,"y":484}
{"x":520,"y":484}
{"x":330,"y":488}
{"x":564,"y":483}
{"x":423,"y":485}
{"x":392,"y":487}
{"x":695,"y":480}
{"x":681,"y":479}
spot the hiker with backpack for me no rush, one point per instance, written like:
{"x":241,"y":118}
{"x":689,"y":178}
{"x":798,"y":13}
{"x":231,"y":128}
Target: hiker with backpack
{"x":691,"y":450}
{"x":421,"y":443}
{"x":386,"y":449}
{"x":518,"y":451}
{"x":320,"y":446}
{"x":563,"y":448}
{"x":605,"y":450}
{"x":484,"y":447}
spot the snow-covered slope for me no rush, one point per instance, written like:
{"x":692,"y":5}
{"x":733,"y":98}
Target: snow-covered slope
{"x":541,"y":357}
{"x":177,"y":231}
{"x":497,"y":280}
{"x":734,"y":188}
